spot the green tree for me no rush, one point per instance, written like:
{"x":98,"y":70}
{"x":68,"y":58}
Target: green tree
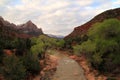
{"x":31,"y":64}
{"x":1,"y":55}
{"x":60,"y":43}
{"x":13,"y":68}
{"x":41,"y":44}
{"x":86,"y":47}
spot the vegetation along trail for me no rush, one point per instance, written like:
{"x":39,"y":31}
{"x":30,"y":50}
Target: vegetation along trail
{"x":68,"y":69}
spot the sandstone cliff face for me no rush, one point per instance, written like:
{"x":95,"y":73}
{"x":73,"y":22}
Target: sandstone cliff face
{"x":81,"y":30}
{"x":26,"y":30}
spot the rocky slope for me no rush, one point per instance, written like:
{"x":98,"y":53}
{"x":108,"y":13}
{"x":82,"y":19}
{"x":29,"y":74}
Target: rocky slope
{"x":26,"y":30}
{"x":81,"y":30}
{"x":30,"y":28}
{"x":8,"y":30}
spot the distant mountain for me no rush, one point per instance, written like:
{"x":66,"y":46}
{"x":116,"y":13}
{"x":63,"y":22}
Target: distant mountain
{"x":10,"y":30}
{"x":81,"y":30}
{"x":26,"y":30}
{"x":30,"y":28}
{"x":55,"y":36}
{"x":6,"y":23}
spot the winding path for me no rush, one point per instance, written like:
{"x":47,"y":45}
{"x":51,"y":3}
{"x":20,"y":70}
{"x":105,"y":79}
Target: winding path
{"x":68,"y":69}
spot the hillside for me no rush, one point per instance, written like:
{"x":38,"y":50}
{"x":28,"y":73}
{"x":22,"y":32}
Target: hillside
{"x":80,"y":30}
{"x":26,"y":30}
{"x":30,"y":28}
{"x":9,"y":30}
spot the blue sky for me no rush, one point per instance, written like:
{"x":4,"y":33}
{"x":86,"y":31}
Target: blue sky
{"x":57,"y":17}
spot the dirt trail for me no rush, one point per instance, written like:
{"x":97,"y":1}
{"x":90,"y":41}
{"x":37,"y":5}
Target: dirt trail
{"x":68,"y":69}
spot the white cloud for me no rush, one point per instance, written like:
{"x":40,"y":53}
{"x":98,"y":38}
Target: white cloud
{"x":54,"y":16}
{"x":84,"y":3}
{"x":2,"y":2}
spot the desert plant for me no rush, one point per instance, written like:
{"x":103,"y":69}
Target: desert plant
{"x":13,"y":68}
{"x":31,"y":63}
{"x":103,"y":45}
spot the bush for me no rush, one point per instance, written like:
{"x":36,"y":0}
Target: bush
{"x":1,"y":55}
{"x":103,"y":45}
{"x":31,"y":63}
{"x":87,"y":47}
{"x":77,"y":50}
{"x":13,"y":68}
{"x":41,"y":44}
{"x":60,"y":43}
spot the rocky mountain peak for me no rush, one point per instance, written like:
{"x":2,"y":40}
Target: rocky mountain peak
{"x":1,"y":18}
{"x":25,"y":30}
{"x":30,"y":28}
{"x":28,"y":25}
{"x":29,"y":21}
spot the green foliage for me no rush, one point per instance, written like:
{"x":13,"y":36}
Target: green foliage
{"x":1,"y":55}
{"x":70,"y":42}
{"x":31,"y":63}
{"x":106,"y":37}
{"x":39,"y":45}
{"x":106,"y":30}
{"x":111,"y":78}
{"x":13,"y":68}
{"x":21,"y":44}
{"x":60,"y":43}
{"x":77,"y":50}
{"x":38,"y":48}
{"x":103,"y":45}
{"x":17,"y":43}
{"x":43,"y":43}
{"x":87,"y":47}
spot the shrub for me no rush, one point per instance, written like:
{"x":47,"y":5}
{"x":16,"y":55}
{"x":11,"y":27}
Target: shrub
{"x":87,"y":47}
{"x":77,"y":50}
{"x":103,"y":45}
{"x":31,"y":63}
{"x":1,"y":55}
{"x":13,"y":68}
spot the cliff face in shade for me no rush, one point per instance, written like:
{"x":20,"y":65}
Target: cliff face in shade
{"x":30,"y":28}
{"x":6,"y":23}
{"x":26,"y":30}
{"x":8,"y":29}
{"x":80,"y":30}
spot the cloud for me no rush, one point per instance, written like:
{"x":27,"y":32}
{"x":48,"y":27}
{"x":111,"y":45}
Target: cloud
{"x":3,"y":2}
{"x":54,"y":16}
